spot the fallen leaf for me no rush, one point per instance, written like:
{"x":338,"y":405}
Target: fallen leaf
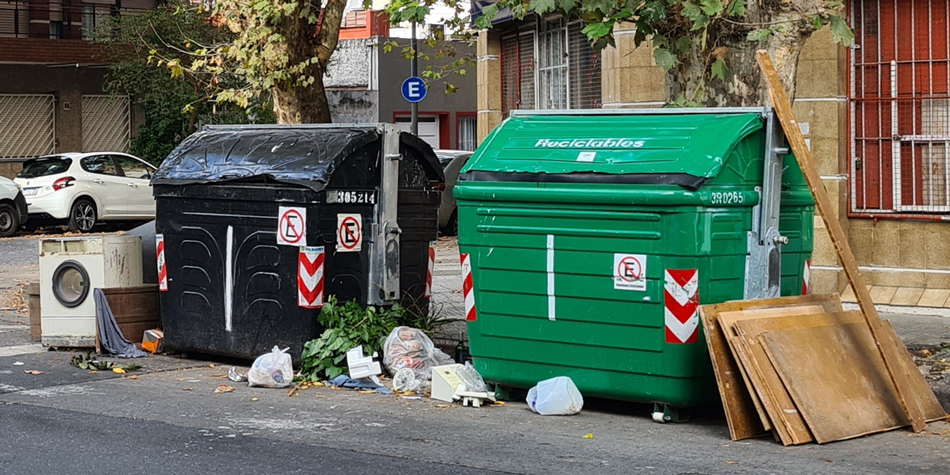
{"x":187,"y":389}
{"x":731,"y":462}
{"x":94,"y":371}
{"x":588,"y":436}
{"x":317,"y":384}
{"x":211,"y":365}
{"x":134,"y":377}
{"x":499,"y":403}
{"x":444,"y":406}
{"x":224,"y":388}
{"x":319,"y":396}
{"x":366,"y":391}
{"x":829,"y":460}
{"x":409,"y":393}
{"x":33,"y":371}
{"x":219,"y":376}
{"x":254,"y":399}
{"x":118,"y":370}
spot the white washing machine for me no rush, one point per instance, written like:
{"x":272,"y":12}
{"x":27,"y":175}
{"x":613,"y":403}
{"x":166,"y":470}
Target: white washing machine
{"x":70,"y":268}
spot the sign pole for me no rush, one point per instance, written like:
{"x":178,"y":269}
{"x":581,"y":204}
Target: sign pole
{"x":413,"y":70}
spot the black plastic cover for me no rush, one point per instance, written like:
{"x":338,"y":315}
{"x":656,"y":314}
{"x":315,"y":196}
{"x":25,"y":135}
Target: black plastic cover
{"x":687,"y":181}
{"x":305,"y":156}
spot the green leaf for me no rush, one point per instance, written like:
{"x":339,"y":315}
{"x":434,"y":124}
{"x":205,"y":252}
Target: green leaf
{"x":711,"y":7}
{"x":841,"y":32}
{"x":664,"y":58}
{"x":683,"y":44}
{"x":720,"y":70}
{"x":543,"y":6}
{"x":736,"y":8}
{"x":760,"y":36}
{"x":693,"y":12}
{"x":597,"y":30}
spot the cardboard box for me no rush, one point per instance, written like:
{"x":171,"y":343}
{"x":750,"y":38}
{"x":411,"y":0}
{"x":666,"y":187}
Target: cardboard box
{"x":153,"y":341}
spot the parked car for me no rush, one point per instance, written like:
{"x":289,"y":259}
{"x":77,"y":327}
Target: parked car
{"x":12,"y":208}
{"x":82,"y":189}
{"x":452,"y":161}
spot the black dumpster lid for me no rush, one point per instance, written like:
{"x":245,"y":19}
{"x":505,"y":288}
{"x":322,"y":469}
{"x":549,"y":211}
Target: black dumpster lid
{"x":299,"y":155}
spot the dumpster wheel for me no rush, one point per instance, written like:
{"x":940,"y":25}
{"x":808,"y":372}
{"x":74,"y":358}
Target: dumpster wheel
{"x":663,"y":413}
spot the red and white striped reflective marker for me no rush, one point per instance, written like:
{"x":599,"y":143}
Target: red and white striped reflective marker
{"x":430,"y":270}
{"x":681,"y":301}
{"x":468,"y":289}
{"x":806,"y":281}
{"x":310,"y":277}
{"x":162,"y":266}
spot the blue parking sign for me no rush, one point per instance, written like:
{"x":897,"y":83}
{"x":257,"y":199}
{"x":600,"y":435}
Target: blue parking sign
{"x":414,"y":89}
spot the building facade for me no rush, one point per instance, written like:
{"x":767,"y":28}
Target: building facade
{"x":876,"y":116}
{"x":51,"y":78}
{"x":364,"y":84}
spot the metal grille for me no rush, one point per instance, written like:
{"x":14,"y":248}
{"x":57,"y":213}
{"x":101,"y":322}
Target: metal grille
{"x":517,"y":63}
{"x":468,"y":132}
{"x":105,"y":124}
{"x":900,"y":107}
{"x":552,"y":66}
{"x":567,"y":71}
{"x":27,"y":125}
{"x":585,"y":70}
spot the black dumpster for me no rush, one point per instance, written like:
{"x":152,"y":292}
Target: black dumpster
{"x":258,"y":225}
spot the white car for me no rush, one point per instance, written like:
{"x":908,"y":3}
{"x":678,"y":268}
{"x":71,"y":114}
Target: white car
{"x":12,"y":208}
{"x":82,"y":189}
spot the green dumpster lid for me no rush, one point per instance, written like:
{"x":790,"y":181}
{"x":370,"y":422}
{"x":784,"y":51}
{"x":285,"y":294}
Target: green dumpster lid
{"x":683,"y":149}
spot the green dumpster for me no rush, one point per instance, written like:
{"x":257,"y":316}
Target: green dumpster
{"x":589,"y":239}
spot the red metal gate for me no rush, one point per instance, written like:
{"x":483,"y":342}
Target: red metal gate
{"x":900,"y":108}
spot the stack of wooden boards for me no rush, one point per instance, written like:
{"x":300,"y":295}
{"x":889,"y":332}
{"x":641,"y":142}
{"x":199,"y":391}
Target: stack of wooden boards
{"x":807,"y":371}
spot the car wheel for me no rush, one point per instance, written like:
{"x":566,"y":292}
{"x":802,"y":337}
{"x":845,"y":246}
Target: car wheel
{"x":9,"y":221}
{"x":82,"y":218}
{"x":452,"y":227}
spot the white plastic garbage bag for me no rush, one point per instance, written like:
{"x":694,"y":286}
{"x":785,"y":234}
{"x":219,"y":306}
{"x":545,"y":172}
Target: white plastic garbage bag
{"x":555,"y":397}
{"x":272,"y":370}
{"x":410,"y":348}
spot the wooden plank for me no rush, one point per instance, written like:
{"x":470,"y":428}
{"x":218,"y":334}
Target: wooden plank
{"x":744,"y":412}
{"x":793,"y":134}
{"x":933,"y":410}
{"x":838,"y":382}
{"x":789,"y":424}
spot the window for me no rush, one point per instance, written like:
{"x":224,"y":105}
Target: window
{"x":900,"y":108}
{"x":44,"y":167}
{"x":55,"y":30}
{"x":14,"y":19}
{"x":468,"y":132}
{"x":133,"y":168}
{"x":100,"y":164}
{"x":88,"y":20}
{"x":550,"y":65}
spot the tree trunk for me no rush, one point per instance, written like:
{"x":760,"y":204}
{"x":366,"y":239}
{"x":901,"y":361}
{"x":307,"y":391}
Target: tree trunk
{"x":691,"y":80}
{"x":302,"y":98}
{"x":302,"y":104}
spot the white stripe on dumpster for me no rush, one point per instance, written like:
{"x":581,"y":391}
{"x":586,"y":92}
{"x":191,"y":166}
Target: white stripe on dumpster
{"x":551,"y":305}
{"x":227,"y":281}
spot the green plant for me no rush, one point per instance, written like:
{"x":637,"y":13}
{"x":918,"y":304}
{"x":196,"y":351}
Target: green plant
{"x":428,"y":319}
{"x":92,"y":364}
{"x":346,"y":326}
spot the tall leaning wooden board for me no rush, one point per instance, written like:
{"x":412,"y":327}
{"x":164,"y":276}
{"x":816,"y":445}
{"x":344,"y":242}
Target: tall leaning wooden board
{"x":783,"y":108}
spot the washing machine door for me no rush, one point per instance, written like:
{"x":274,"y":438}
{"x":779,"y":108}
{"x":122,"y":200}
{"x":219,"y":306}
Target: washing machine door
{"x":71,"y":284}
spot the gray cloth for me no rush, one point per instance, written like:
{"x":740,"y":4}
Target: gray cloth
{"x":110,"y":336}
